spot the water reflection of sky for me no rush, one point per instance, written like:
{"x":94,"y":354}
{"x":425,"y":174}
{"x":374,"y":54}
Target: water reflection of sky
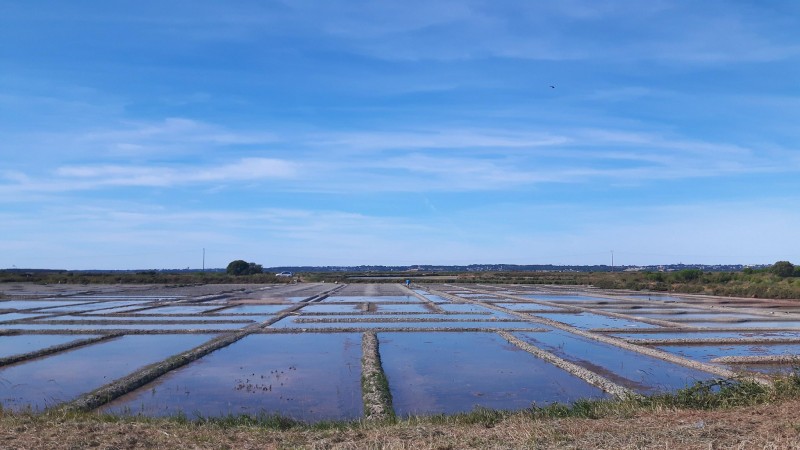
{"x":641,"y":373}
{"x":454,"y":372}
{"x":62,"y":377}
{"x":309,"y":377}
{"x":709,"y":352}
{"x":25,"y":343}
{"x":589,"y":321}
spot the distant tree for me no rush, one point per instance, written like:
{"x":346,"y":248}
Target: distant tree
{"x":782,"y":269}
{"x":238,"y":267}
{"x":241,"y":267}
{"x":658,"y":276}
{"x":254,"y":268}
{"x":688,"y":274}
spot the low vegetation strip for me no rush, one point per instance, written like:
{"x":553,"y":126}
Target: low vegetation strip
{"x":374,"y":385}
{"x":586,"y":375}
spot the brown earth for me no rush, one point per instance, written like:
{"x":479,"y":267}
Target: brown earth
{"x":774,"y":426}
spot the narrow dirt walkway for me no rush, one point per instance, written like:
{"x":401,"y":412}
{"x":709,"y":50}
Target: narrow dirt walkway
{"x":774,"y":426}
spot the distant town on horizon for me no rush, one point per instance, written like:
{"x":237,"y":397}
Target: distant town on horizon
{"x":443,"y":268}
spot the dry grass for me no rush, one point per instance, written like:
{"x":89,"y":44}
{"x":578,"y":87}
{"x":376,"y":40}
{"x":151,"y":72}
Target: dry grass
{"x":775,"y":425}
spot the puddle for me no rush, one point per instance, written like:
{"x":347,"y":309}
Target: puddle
{"x":528,"y":307}
{"x":787,"y":324}
{"x":697,"y":316}
{"x":252,"y":309}
{"x":323,"y":308}
{"x":399,"y":317}
{"x":363,"y":299}
{"x":138,"y":298}
{"x":567,"y":298}
{"x":657,"y":297}
{"x":179,"y":319}
{"x":123,"y":309}
{"x":680,"y":312}
{"x":587,"y":321}
{"x":432,"y":373}
{"x":412,"y":308}
{"x":34,"y":304}
{"x":93,"y":307}
{"x":646,"y":308}
{"x":465,"y":307}
{"x":478,"y":296}
{"x":640,"y":373}
{"x":17,"y":316}
{"x":290,"y":323}
{"x":47,"y":381}
{"x":179,"y":309}
{"x":710,"y":334}
{"x":708,"y":352}
{"x":26,"y":343}
{"x":144,"y":327}
{"x":310,"y":377}
{"x":433,"y":298}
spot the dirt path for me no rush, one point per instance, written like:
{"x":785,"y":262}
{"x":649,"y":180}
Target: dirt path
{"x":774,"y":426}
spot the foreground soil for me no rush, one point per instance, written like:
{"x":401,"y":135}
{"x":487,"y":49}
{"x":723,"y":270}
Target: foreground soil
{"x":773,"y":426}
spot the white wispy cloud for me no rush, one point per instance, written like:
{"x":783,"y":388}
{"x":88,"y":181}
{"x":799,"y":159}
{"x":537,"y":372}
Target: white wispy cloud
{"x":454,"y":160}
{"x":102,"y":176}
{"x":676,"y":33}
{"x":440,"y":138}
{"x":242,"y":170}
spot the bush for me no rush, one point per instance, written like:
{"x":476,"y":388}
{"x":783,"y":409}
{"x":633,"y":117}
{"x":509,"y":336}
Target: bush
{"x":688,"y":274}
{"x":241,"y":267}
{"x":783,"y":269}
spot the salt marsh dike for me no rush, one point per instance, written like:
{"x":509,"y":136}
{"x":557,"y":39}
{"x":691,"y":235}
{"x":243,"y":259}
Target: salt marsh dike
{"x":318,"y":353}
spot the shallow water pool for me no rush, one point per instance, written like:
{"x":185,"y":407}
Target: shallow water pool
{"x":308,"y":377}
{"x":640,"y":373}
{"x":47,"y":381}
{"x":432,"y":373}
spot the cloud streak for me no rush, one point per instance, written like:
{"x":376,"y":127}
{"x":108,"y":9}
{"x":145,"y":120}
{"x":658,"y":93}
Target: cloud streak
{"x":452,"y":160}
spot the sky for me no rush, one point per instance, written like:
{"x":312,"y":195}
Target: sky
{"x":134,"y":135}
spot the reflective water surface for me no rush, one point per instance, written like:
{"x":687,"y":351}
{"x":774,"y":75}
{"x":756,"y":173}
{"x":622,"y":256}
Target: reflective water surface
{"x":310,"y":377}
{"x":47,"y":381}
{"x":640,"y":373}
{"x":26,"y":343}
{"x":456,"y":372}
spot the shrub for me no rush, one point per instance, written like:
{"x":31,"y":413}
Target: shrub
{"x":241,"y":267}
{"x":783,"y":269}
{"x":688,"y":274}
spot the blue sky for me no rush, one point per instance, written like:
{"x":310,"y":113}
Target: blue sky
{"x":135,"y":134}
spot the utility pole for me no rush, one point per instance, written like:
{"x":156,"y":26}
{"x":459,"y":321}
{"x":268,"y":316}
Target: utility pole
{"x":204,"y":259}
{"x":612,"y":260}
